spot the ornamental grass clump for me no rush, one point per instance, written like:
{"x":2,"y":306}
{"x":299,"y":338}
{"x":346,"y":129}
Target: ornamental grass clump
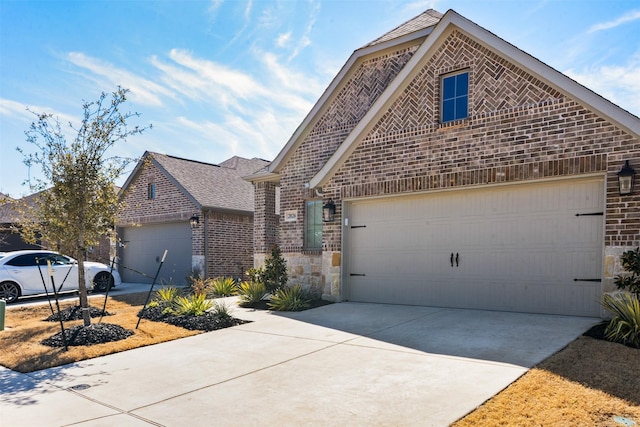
{"x":223,"y":287}
{"x":193,"y":305}
{"x":292,"y":298}
{"x":251,"y":292}
{"x":624,"y":328}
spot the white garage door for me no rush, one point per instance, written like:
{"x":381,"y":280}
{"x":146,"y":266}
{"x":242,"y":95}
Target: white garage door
{"x":144,"y":247}
{"x":531,"y":248}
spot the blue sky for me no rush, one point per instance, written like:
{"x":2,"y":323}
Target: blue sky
{"x":236,"y":77}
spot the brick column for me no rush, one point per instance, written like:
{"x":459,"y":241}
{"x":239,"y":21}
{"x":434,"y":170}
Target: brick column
{"x":265,"y":220}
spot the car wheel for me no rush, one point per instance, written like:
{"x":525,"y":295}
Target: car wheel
{"x":9,"y":292}
{"x":102,"y":281}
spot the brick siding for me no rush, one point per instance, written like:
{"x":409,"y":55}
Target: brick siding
{"x":230,"y":244}
{"x":230,"y":236}
{"x":170,"y":203}
{"x":519,"y":129}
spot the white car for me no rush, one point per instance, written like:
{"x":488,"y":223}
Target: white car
{"x":22,"y":273}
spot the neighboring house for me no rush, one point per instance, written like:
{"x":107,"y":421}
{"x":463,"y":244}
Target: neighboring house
{"x":162,"y":194}
{"x":465,"y":173}
{"x":11,"y":240}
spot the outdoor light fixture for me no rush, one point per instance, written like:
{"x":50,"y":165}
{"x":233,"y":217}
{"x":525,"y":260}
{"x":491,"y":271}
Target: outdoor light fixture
{"x":194,"y":221}
{"x":626,"y":178}
{"x":329,"y":211}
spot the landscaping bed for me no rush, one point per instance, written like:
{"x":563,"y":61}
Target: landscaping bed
{"x":206,"y":322}
{"x":26,"y":328}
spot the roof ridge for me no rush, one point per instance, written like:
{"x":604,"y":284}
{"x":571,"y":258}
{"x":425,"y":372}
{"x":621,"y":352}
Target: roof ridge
{"x":428,"y":18}
{"x":188,"y":160}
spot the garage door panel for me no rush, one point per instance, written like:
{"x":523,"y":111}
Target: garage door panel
{"x":145,"y":246}
{"x":520,"y":248}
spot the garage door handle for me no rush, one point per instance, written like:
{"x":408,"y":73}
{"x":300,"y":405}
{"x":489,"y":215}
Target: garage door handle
{"x":587,"y":280}
{"x":456,"y":259}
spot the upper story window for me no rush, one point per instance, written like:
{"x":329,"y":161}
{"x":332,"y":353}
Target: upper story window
{"x":151,"y":191}
{"x":455,"y":97}
{"x":313,"y":224}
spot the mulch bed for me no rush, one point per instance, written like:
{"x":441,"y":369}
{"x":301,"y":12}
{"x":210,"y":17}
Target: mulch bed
{"x":96,"y":333}
{"x":597,"y":332}
{"x":205,"y":322}
{"x":75,"y":313}
{"x":263,"y":304}
{"x":100,"y":333}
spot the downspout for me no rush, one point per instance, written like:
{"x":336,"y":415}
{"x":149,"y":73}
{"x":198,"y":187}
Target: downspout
{"x":206,"y":244}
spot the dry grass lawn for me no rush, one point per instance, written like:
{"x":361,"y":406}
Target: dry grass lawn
{"x":25,"y":328}
{"x":586,"y":384}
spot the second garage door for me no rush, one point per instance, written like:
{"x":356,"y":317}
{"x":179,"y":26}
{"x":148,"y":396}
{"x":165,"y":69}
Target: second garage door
{"x":530,"y":248}
{"x":144,"y":247}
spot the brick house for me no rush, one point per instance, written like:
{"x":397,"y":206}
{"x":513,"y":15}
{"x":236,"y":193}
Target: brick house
{"x":464,"y":173}
{"x":10,"y":218}
{"x":11,"y":240}
{"x":162,"y":194}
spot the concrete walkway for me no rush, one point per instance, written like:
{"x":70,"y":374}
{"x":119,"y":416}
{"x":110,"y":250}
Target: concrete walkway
{"x":343,"y":364}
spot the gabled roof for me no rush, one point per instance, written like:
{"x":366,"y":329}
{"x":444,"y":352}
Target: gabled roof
{"x":426,"y":19}
{"x":450,"y":21}
{"x":244,"y":166}
{"x":430,"y":29}
{"x":409,"y":32}
{"x":208,"y":186}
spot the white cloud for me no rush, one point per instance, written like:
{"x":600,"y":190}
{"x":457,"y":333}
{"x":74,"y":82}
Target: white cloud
{"x":143,"y":91}
{"x":300,"y":82}
{"x":618,"y":83}
{"x":305,"y":40}
{"x":627,"y":17}
{"x":239,"y":83}
{"x":214,"y":6}
{"x":17,"y":110}
{"x":283,"y":39}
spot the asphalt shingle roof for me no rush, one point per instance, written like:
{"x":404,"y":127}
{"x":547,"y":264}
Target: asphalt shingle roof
{"x":426,"y":19}
{"x":214,"y":186}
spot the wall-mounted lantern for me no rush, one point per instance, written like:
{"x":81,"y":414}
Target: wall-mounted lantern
{"x":329,"y":211}
{"x":194,"y":221}
{"x":626,"y":179}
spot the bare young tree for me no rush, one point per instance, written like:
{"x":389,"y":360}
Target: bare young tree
{"x":78,"y":199}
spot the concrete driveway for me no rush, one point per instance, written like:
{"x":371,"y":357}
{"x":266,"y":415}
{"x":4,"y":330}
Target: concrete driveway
{"x":342,"y":364}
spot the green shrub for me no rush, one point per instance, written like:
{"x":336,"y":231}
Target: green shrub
{"x":194,"y":305}
{"x":167,"y":295}
{"x":255,"y":274}
{"x":251,"y":292}
{"x":221,"y":310}
{"x":275,"y":271}
{"x":631,"y":263}
{"x":168,"y":311}
{"x":289,"y":299}
{"x":624,"y":328}
{"x":223,"y":287}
